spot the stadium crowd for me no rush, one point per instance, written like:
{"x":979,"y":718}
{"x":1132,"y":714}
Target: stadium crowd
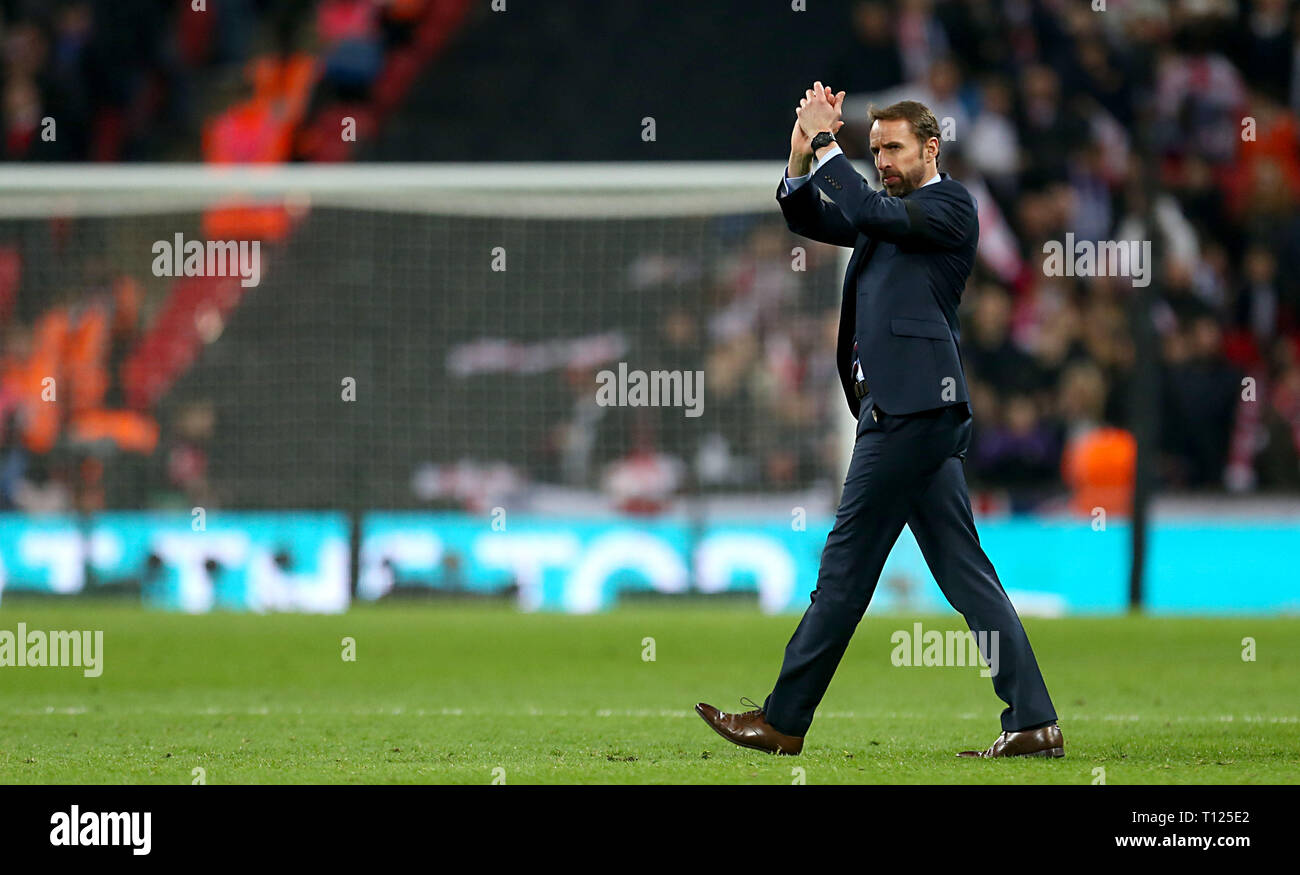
{"x":1050,"y":110}
{"x":1052,"y":113}
{"x":171,"y":80}
{"x":1055,"y":108}
{"x":263,"y":81}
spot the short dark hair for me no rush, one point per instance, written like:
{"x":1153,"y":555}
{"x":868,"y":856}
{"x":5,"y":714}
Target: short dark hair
{"x":923,"y":122}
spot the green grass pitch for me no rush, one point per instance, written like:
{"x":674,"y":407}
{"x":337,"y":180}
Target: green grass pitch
{"x":457,"y":693}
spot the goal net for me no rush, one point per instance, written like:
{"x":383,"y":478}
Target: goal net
{"x":567,"y":338}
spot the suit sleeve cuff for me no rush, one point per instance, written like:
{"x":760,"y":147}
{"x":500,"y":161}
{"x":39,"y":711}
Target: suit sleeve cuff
{"x":793,"y":183}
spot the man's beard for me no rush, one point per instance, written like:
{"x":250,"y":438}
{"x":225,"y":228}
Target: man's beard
{"x":905,"y":185}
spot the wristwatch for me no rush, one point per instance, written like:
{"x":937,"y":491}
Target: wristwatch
{"x":825,"y":138}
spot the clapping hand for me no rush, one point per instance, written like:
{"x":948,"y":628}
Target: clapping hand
{"x":820,"y":110}
{"x":801,"y":141}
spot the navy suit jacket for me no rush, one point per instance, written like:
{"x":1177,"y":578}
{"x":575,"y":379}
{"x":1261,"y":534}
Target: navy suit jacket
{"x":911,"y":258}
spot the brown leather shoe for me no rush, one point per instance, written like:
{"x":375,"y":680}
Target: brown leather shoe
{"x":1045,"y":741}
{"x":750,"y":730}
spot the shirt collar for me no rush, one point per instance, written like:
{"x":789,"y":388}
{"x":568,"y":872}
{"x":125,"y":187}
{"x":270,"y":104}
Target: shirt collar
{"x":932,"y":180}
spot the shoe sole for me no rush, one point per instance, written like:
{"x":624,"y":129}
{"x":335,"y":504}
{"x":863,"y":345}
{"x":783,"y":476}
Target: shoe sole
{"x":722,"y":734}
{"x":1052,"y":752}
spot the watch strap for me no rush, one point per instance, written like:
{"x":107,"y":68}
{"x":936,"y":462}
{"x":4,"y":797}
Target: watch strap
{"x":825,"y":138}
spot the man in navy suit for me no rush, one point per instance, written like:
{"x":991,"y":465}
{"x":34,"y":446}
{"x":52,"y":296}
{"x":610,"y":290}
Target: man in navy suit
{"x":899,"y":361}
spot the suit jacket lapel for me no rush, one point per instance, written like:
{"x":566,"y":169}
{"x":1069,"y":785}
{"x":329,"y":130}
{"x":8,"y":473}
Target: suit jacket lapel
{"x":848,"y":323}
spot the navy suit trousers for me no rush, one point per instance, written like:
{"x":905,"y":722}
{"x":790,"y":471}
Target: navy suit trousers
{"x":905,"y":469}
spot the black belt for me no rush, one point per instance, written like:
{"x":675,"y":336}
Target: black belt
{"x":860,"y":389}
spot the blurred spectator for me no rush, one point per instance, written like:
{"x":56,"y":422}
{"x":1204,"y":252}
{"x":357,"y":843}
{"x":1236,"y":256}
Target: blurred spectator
{"x":1200,"y":96}
{"x":1020,"y":450}
{"x":1279,"y":455}
{"x":1258,"y":297}
{"x":921,"y":37}
{"x":1200,"y":405}
{"x":1049,"y":125}
{"x":990,"y":353}
{"x":873,"y":61}
{"x":993,"y":144}
{"x":187,"y":454}
{"x":348,"y":31}
{"x":1264,"y":51}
